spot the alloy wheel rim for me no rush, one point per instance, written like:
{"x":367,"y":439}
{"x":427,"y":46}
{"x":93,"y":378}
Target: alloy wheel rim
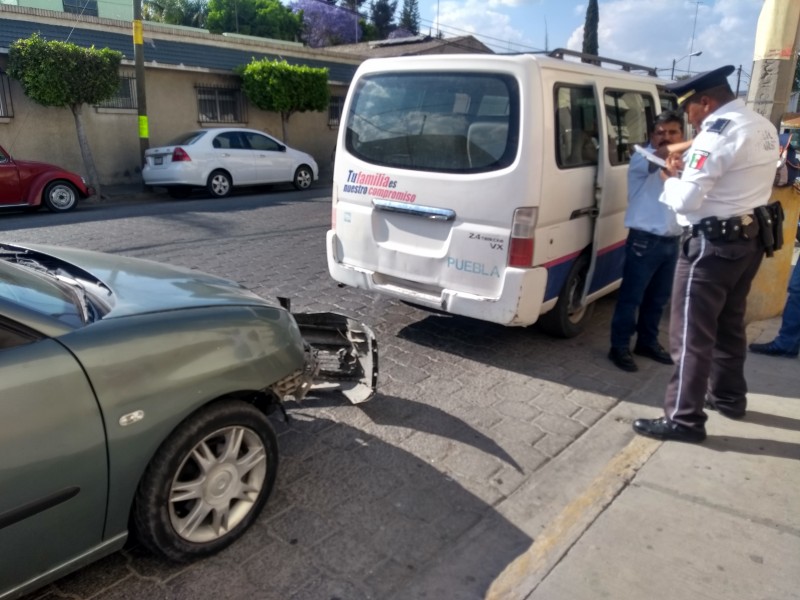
{"x":217,"y":484}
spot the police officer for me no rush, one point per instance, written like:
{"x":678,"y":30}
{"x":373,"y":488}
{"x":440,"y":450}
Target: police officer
{"x":727,"y":173}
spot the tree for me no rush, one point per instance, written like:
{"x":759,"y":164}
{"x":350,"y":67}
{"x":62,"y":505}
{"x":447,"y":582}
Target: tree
{"x":796,"y":84}
{"x":279,"y":87}
{"x":590,"y":29}
{"x":327,"y":25}
{"x":261,"y":18}
{"x":409,"y":16}
{"x":382,"y":16}
{"x":66,"y":75}
{"x":191,"y":13}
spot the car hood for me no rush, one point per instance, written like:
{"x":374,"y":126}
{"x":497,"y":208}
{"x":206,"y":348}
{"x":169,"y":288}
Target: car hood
{"x":142,"y":286}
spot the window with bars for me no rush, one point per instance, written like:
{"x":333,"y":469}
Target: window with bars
{"x":335,"y":111}
{"x":125,"y":97}
{"x":81,"y":7}
{"x":220,"y":105}
{"x":6,"y":108}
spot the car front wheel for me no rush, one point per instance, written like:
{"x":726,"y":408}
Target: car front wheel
{"x":207,"y":483}
{"x":60,"y":196}
{"x":219,"y":184}
{"x":303,"y":177}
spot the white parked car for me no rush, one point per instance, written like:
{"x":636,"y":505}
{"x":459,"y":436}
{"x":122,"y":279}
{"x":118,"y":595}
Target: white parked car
{"x":220,"y":159}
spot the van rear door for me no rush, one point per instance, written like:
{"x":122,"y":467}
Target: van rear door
{"x":420,"y":199}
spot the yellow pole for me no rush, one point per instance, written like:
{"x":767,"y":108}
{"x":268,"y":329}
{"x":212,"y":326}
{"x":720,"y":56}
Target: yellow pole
{"x":774,"y":58}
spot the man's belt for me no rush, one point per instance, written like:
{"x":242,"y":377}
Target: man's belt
{"x":729,"y":230}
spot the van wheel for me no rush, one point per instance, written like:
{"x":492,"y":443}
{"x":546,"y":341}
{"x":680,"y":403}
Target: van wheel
{"x":567,"y":318}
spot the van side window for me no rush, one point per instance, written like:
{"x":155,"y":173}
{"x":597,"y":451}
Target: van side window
{"x":629,"y":116}
{"x":577,"y":140}
{"x":454,"y":122}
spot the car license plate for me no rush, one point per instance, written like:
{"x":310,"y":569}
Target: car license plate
{"x":158,"y":160}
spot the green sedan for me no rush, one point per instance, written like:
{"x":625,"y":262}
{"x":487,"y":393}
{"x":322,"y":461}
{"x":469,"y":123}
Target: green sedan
{"x":135,"y":394}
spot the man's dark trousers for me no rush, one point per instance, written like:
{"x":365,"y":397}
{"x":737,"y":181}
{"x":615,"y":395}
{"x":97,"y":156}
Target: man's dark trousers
{"x":646,"y":286}
{"x":707,"y":331}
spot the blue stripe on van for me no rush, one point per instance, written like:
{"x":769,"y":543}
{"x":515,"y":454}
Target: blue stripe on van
{"x":608,"y":269}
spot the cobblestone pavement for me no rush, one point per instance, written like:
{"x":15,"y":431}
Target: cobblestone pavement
{"x":372,"y":501}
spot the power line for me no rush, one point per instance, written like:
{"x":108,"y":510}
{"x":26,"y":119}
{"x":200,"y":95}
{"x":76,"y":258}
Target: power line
{"x":459,"y":31}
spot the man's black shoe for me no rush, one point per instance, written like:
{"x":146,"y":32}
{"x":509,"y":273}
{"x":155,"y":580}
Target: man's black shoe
{"x":664,"y":429}
{"x":623,"y":359}
{"x":726,"y":411}
{"x":770,"y":349}
{"x":657,"y":353}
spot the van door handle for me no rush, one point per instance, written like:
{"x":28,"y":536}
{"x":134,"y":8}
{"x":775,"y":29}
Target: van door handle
{"x":427,"y":212}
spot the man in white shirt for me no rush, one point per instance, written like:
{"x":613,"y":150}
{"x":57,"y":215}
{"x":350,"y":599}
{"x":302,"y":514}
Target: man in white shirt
{"x":729,"y":173}
{"x":650,"y":253}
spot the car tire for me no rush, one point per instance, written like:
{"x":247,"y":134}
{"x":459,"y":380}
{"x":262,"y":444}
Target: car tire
{"x":303,"y":177}
{"x":60,"y":196}
{"x":565,"y":319}
{"x":186,"y":508}
{"x":219,"y":184}
{"x":179,"y":192}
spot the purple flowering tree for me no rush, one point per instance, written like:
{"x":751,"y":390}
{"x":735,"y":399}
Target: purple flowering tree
{"x":326,"y":24}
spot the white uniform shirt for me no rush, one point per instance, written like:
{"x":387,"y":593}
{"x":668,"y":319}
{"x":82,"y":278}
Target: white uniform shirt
{"x":645,"y":212}
{"x":730,"y":168}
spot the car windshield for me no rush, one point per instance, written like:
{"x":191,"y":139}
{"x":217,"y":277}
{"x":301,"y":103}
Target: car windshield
{"x":187,"y":139}
{"x":39,"y":293}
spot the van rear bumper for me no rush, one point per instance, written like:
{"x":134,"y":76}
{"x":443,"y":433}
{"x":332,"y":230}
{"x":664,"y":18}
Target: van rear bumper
{"x":519,"y":303}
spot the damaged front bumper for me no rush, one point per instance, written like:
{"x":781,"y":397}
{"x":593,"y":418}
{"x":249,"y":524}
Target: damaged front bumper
{"x":341,"y":354}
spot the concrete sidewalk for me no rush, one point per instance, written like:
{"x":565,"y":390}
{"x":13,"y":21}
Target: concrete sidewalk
{"x":667,"y":520}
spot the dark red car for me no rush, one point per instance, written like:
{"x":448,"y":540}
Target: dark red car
{"x":29,"y":184}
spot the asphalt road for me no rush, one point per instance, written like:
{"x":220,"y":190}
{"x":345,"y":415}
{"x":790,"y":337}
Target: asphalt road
{"x":415,"y":492}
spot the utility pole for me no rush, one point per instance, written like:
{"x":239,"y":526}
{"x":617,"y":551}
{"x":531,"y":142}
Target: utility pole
{"x":738,"y":79}
{"x":141,"y":100}
{"x":691,"y":44}
{"x":774,"y":57}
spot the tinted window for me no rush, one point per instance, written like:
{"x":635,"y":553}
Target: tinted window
{"x":452,"y":122}
{"x":630,"y":116}
{"x":262,"y":142}
{"x":577,"y":141}
{"x":186,"y":139}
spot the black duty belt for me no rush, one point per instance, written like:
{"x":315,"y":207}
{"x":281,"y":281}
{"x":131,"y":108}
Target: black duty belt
{"x":729,"y":230}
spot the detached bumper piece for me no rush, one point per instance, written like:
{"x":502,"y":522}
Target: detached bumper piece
{"x":344,"y":354}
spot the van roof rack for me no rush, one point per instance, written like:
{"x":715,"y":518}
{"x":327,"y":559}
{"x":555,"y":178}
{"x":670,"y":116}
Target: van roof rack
{"x":599,"y":60}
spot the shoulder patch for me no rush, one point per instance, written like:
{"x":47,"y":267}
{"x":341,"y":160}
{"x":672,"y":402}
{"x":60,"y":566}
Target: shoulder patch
{"x":718,"y":126}
{"x":698,"y":159}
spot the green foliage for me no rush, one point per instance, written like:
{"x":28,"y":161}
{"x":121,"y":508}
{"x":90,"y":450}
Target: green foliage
{"x":382,"y":15}
{"x":590,"y":45}
{"x":277,"y":86}
{"x":369,"y":33}
{"x":191,"y":13}
{"x":796,"y":84}
{"x":63,"y":74}
{"x":409,"y":16}
{"x":261,"y":18}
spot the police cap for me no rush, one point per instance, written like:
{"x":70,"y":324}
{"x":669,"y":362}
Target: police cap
{"x":686,"y":88}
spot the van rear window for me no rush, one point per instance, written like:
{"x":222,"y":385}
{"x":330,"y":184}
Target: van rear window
{"x":435,"y":121}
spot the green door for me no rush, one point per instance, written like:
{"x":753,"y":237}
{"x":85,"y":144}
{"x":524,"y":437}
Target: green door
{"x":53,"y":477}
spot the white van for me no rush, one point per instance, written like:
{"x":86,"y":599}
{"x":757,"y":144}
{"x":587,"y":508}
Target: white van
{"x":490,"y":186}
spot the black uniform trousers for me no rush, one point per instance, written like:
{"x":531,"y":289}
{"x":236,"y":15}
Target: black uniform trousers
{"x":707,"y":331}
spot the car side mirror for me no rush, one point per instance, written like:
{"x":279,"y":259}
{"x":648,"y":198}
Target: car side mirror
{"x":281,"y":148}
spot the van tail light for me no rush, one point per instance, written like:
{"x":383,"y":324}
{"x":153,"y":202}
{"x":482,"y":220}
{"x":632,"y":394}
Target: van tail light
{"x":520,"y":253}
{"x":179,"y":154}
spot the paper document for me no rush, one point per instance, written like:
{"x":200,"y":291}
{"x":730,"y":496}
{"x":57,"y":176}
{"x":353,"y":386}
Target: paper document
{"x":648,"y":154}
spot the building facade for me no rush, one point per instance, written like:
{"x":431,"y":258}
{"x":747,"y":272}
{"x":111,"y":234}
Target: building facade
{"x":189,"y":82}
